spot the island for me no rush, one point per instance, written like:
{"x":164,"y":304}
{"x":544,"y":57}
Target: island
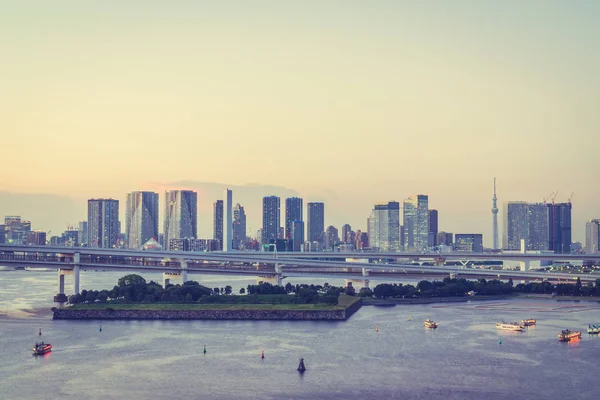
{"x":134,"y":298}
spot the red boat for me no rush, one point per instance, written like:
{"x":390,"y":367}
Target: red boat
{"x":41,"y":348}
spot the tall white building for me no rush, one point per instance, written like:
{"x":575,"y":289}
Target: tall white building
{"x":592,"y":236}
{"x":384,"y":226}
{"x":181,"y":215}
{"x":416,"y":222}
{"x":227,"y":220}
{"x":141,"y":218}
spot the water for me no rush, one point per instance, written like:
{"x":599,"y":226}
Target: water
{"x":462,"y":359}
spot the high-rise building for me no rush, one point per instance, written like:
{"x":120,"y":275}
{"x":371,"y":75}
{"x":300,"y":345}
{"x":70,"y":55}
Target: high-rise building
{"x":218,"y":222}
{"x":445,"y":239}
{"x":2,"y":234}
{"x":35,"y":238}
{"x":384,"y":226}
{"x":331,"y":238}
{"x":227,"y":220}
{"x":297,"y":235}
{"x":141,"y":218}
{"x":592,"y":236}
{"x":347,"y":234}
{"x":362,"y":240}
{"x":416,"y":222}
{"x":15,"y":229}
{"x":559,"y":228}
{"x":315,"y":222}
{"x":83,"y":231}
{"x":239,"y":226}
{"x":532,"y":222}
{"x":271,"y":218}
{"x":103,"y":223}
{"x":472,"y":243}
{"x":181,"y":215}
{"x":293,"y":212}
{"x":433,"y":228}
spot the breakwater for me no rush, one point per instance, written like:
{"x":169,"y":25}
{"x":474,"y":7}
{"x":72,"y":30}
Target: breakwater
{"x":132,"y":314}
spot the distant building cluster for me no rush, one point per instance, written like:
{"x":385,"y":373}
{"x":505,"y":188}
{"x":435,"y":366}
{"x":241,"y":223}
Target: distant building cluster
{"x":390,"y":227}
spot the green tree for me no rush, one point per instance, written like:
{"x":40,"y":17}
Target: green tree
{"x":131,"y":279}
{"x":242,"y":291}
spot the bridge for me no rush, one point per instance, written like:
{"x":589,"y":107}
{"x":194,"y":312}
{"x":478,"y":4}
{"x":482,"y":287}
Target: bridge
{"x":273,"y":267}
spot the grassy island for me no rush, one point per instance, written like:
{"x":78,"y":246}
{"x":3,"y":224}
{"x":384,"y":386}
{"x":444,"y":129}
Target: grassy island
{"x":134,"y":298}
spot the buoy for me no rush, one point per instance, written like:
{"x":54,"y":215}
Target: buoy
{"x":301,"y":367}
{"x":40,"y":332}
{"x":262,"y":355}
{"x":376,"y":329}
{"x":500,"y":341}
{"x":100,"y":328}
{"x":409,"y":318}
{"x":204,"y":349}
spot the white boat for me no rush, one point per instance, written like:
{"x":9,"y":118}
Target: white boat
{"x":509,"y":326}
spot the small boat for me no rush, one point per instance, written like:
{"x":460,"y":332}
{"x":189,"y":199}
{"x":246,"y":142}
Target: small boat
{"x":567,"y":335}
{"x":510,"y":326}
{"x":430,"y":324}
{"x":41,"y":348}
{"x":593,"y":329}
{"x":301,"y":367}
{"x":528,"y":322}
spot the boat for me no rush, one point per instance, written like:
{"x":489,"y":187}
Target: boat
{"x":567,"y":335}
{"x":430,"y":324}
{"x":528,"y":322}
{"x":41,"y":348}
{"x":593,"y":329}
{"x":510,"y":326}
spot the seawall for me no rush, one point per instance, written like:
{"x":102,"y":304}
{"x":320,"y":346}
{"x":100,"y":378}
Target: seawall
{"x":111,"y":314}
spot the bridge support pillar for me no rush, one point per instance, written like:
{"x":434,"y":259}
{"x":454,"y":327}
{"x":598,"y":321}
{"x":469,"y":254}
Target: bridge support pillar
{"x":61,"y":282}
{"x":166,"y":280}
{"x":76,"y":279}
{"x":184,"y":270}
{"x":365,"y":282}
{"x":523,"y":265}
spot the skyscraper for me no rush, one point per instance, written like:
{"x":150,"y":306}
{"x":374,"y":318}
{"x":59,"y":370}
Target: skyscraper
{"x":416,"y":222}
{"x":181,"y":215}
{"x":82,"y":238}
{"x":315,"y":222}
{"x":526,"y":221}
{"x":271,"y":218}
{"x":239,"y":226}
{"x":472,"y":243}
{"x":293,"y":212}
{"x":592,"y":236}
{"x":331,"y":238}
{"x":141,"y":218}
{"x":433,"y":228}
{"x":103,"y":223}
{"x":218,"y":222}
{"x":227,"y":220}
{"x":384,"y":226}
{"x":495,"y":219}
{"x":347,"y":234}
{"x":15,"y":229}
{"x":297,"y":235}
{"x":560,"y":227}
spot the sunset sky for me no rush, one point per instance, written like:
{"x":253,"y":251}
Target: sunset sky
{"x":347,"y":102}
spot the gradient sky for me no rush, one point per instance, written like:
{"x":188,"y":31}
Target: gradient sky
{"x":349,"y":102}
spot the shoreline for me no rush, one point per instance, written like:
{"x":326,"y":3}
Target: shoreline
{"x":206,"y":312}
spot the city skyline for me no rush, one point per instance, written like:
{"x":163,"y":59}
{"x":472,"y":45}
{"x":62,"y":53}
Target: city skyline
{"x":205,"y":222}
{"x":347,"y":83}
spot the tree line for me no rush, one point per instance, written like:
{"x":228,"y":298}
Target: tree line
{"x":134,"y":288}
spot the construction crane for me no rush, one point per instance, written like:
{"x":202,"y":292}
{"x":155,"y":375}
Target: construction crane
{"x":551,"y":196}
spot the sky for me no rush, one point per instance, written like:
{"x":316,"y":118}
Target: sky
{"x":347,"y":102}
